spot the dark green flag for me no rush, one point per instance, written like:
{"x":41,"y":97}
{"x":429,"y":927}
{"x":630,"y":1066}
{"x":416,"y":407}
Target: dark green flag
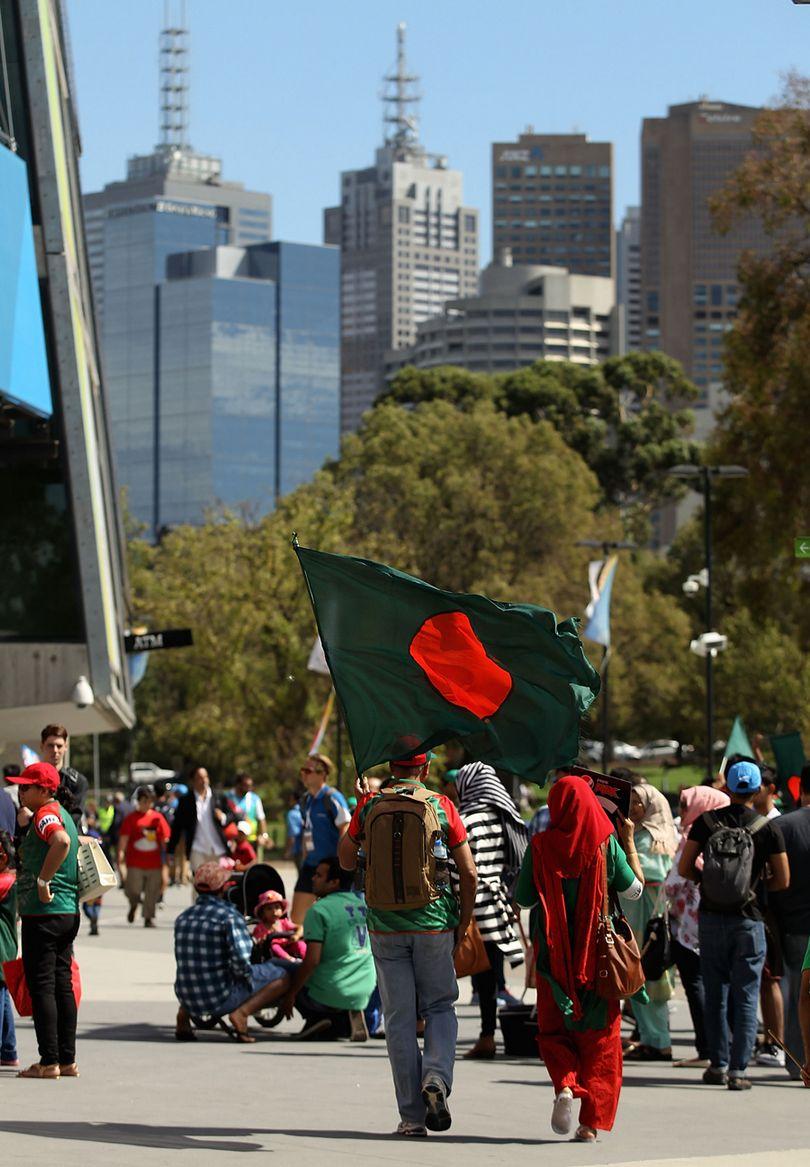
{"x":414,"y":666}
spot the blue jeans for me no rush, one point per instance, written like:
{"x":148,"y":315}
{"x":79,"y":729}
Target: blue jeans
{"x":793,"y":949}
{"x":8,"y":1036}
{"x":732,"y":955}
{"x":417,"y":967}
{"x":261,"y":975}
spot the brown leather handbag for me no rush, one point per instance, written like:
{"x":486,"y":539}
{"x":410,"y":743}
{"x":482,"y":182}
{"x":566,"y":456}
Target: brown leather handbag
{"x":619,"y":974}
{"x":470,"y":956}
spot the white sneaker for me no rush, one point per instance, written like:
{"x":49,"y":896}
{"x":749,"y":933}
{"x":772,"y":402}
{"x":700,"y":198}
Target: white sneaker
{"x":562,"y":1114}
{"x":770,"y":1055}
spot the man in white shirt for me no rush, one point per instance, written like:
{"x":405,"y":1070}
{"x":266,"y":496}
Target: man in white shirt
{"x":199,"y":820}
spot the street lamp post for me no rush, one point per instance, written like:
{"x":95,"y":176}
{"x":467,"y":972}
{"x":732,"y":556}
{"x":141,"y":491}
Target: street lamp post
{"x":701,"y":478}
{"x":606,"y":546}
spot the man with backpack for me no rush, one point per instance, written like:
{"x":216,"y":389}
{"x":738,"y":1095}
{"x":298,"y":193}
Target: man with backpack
{"x":325,"y":815}
{"x":403,"y":834}
{"x":739,"y":847}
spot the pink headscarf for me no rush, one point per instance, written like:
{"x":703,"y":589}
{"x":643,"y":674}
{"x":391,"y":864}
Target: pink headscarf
{"x":696,"y":800}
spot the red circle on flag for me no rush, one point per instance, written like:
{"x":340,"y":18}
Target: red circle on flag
{"x":456,"y":663}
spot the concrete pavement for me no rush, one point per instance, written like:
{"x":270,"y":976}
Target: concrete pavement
{"x":145,"y":1100}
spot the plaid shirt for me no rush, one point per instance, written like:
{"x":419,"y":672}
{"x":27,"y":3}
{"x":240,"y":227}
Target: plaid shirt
{"x":212,"y":948}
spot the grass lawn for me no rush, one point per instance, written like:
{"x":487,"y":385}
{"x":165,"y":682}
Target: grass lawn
{"x":669,"y":779}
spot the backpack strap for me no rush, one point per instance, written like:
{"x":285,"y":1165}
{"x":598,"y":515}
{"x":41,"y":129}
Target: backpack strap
{"x":711,"y":820}
{"x":759,"y":822}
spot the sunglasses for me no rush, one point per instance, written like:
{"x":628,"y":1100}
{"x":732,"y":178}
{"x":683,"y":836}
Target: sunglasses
{"x":310,"y":770}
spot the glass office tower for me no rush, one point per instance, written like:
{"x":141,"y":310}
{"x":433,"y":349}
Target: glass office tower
{"x":247,"y":359}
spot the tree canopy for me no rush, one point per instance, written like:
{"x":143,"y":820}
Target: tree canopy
{"x":627,"y":418}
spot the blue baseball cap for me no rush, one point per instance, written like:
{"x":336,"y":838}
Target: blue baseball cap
{"x":743,"y":778}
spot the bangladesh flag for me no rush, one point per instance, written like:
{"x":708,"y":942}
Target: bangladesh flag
{"x":414,"y":666}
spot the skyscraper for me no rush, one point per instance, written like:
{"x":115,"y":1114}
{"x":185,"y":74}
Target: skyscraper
{"x":628,"y":279}
{"x":172,"y":199}
{"x":407,"y":244}
{"x":689,"y":283}
{"x":247,"y":376}
{"x":552,"y":201}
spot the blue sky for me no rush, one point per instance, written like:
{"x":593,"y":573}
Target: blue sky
{"x":287,"y":94}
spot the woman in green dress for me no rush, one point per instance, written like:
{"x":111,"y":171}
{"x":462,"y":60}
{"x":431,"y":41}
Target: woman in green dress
{"x":562,"y":881}
{"x":656,"y":843}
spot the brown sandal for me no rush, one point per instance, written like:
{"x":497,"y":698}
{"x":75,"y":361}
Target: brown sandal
{"x":68,"y":1070}
{"x":40,"y":1071}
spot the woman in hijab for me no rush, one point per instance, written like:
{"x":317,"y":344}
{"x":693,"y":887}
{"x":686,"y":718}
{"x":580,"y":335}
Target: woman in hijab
{"x":561,"y":880}
{"x":684,"y":898}
{"x":656,"y":843}
{"x":497,"y":836}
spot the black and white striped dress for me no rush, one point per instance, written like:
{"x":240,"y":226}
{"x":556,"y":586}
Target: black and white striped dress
{"x":493,"y":914}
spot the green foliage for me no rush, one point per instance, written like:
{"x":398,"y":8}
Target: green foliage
{"x":625,"y":418}
{"x":764,"y":426}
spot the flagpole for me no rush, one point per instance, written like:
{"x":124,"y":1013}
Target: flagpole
{"x":606,"y":545}
{"x":606,"y":750}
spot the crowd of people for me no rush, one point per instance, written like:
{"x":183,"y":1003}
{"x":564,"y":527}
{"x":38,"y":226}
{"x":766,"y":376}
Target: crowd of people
{"x":396,"y":883}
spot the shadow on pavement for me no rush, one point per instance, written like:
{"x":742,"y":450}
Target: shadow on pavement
{"x":169,"y":1138}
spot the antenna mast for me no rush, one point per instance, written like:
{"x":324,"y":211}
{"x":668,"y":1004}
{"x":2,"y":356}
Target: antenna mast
{"x":399,"y":94}
{"x":174,"y":73}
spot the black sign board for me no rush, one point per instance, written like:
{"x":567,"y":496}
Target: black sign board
{"x":149,"y":641}
{"x":613,"y":793}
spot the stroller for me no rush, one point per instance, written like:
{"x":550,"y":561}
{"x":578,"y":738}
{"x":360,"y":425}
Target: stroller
{"x":244,"y":893}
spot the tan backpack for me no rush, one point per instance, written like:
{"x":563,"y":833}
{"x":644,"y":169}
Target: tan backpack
{"x":399,"y":830}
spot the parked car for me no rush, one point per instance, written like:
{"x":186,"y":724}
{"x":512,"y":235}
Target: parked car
{"x":624,"y":752}
{"x":143,"y":772}
{"x":665,"y":748}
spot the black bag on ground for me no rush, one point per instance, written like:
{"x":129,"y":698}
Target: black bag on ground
{"x":519,"y":1028}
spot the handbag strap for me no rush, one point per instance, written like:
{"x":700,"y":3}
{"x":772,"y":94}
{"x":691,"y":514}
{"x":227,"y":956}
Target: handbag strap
{"x":605,"y":895}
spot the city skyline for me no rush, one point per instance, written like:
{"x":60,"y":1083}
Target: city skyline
{"x":310,"y":120}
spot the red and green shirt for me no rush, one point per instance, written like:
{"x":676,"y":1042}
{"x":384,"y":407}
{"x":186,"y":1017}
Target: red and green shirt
{"x":440,"y":915}
{"x":65,"y":883}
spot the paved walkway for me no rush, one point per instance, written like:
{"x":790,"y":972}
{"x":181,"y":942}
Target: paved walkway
{"x":144,"y":1100}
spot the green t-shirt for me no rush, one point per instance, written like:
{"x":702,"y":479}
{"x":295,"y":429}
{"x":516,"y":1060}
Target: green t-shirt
{"x":8,"y":921}
{"x":441,"y":914}
{"x":620,"y":877}
{"x":345,"y":977}
{"x":806,"y":964}
{"x":33,"y":849}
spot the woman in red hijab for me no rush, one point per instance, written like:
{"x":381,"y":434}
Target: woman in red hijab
{"x":561,"y":881}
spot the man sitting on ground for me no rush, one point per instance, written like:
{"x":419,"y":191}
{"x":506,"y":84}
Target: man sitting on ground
{"x":212,"y":947}
{"x":333,"y":985}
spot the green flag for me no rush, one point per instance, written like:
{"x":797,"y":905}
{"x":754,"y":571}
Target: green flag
{"x":788,"y":750}
{"x":414,"y":666}
{"x":738,"y":742}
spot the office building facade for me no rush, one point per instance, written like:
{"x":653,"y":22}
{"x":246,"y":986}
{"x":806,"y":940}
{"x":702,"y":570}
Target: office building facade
{"x":689,"y":288}
{"x":63,"y":609}
{"x":247,"y":400}
{"x":552,"y":201}
{"x":628,"y":279}
{"x":408,"y":244}
{"x":522,"y":314}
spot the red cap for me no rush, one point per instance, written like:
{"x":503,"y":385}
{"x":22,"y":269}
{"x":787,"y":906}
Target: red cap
{"x":415,"y":762}
{"x":38,"y":774}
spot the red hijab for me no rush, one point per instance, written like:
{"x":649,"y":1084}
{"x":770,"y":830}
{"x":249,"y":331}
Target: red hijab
{"x":571,"y":848}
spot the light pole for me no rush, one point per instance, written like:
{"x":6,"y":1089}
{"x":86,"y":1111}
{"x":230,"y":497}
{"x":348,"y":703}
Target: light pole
{"x":606,"y":546}
{"x":701,"y":478}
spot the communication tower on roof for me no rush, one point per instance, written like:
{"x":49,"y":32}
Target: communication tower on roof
{"x":174,"y":79}
{"x":401,"y":96}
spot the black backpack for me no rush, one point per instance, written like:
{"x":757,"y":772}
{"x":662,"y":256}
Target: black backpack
{"x":728,"y":863}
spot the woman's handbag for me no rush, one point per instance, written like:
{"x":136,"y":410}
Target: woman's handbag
{"x":17,"y":985}
{"x":656,"y":949}
{"x":95,"y":873}
{"x":470,"y":956}
{"x":619,"y":973}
